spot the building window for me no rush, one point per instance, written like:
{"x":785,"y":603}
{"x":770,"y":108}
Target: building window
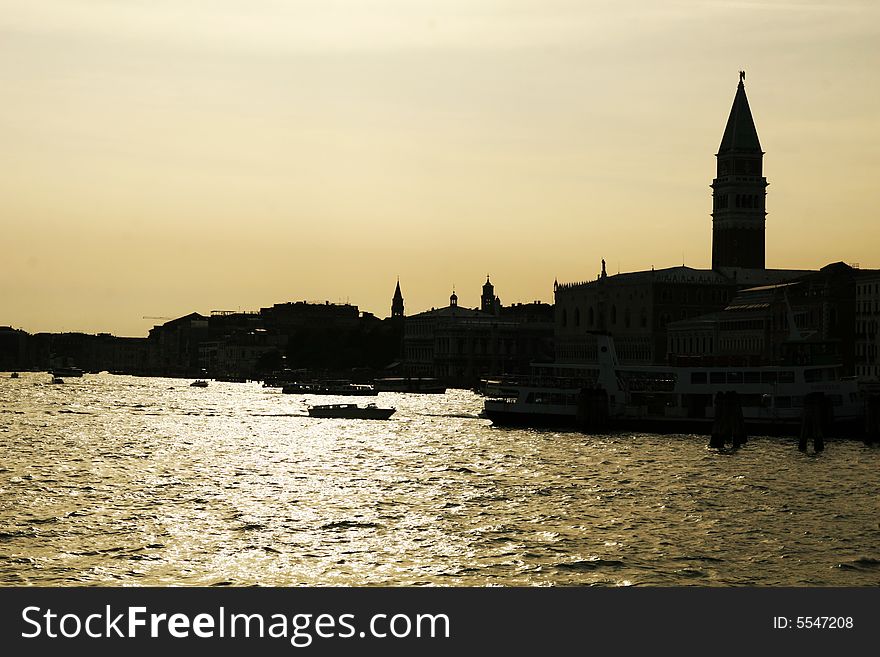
{"x":590,"y":317}
{"x":577,"y":316}
{"x":613,"y":314}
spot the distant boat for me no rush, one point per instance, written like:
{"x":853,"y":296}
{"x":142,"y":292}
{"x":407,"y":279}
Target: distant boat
{"x":329,"y":388}
{"x":368,"y":412}
{"x":57,"y":379}
{"x":199,"y":383}
{"x":422,"y":385}
{"x":14,"y":375}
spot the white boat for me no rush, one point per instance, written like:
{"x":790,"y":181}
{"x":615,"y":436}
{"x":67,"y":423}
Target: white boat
{"x":368,"y":412}
{"x":674,"y":398}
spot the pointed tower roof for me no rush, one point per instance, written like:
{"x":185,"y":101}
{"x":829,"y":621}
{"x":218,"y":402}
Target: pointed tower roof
{"x":397,"y":294}
{"x":740,"y":134}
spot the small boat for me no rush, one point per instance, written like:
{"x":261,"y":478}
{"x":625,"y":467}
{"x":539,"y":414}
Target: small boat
{"x":57,"y":379}
{"x":199,"y":383}
{"x":14,"y":375}
{"x":368,"y":412}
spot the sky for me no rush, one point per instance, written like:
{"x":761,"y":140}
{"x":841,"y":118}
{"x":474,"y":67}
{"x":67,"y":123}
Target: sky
{"x":161,"y":157}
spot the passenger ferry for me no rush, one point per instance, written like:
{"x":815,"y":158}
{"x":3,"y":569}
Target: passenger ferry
{"x":345,"y":388}
{"x":673,"y":398}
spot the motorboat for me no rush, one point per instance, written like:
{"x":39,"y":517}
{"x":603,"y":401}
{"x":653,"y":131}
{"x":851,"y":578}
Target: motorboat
{"x":199,"y":383}
{"x":368,"y":412}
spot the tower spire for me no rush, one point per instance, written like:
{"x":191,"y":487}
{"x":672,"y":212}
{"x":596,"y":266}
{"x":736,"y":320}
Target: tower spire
{"x":397,"y":302}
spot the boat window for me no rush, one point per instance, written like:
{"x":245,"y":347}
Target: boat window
{"x":783,"y":402}
{"x":716,"y":377}
{"x":786,"y":376}
{"x":734,"y":377}
{"x":768,"y":377}
{"x":752,"y":377}
{"x":751,"y":400}
{"x":698,"y":377}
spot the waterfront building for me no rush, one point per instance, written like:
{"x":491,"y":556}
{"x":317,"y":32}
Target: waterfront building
{"x":462,"y":345}
{"x":809,"y":320}
{"x":867,"y":319}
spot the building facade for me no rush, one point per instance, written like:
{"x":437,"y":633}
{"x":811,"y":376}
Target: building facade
{"x":460,"y":345}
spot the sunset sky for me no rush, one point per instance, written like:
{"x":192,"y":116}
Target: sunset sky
{"x":161,"y":157}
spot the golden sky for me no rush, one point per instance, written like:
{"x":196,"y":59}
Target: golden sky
{"x":167,"y":156}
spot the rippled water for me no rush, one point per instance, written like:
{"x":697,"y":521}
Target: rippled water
{"x":123,"y":480}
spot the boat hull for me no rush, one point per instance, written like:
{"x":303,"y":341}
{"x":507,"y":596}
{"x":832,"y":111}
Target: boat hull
{"x":355,"y":413}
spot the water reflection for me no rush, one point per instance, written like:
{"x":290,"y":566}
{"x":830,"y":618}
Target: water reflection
{"x":114,"y":480}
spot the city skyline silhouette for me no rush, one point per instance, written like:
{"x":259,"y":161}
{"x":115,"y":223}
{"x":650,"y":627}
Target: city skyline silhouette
{"x":163,"y":160}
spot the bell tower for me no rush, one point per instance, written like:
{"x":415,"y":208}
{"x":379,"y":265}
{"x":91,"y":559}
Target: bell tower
{"x":739,"y":191}
{"x":397,"y":303}
{"x":487,"y":299}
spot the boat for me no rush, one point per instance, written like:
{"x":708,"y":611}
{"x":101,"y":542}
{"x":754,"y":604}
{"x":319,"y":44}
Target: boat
{"x":673,"y":398}
{"x":14,"y":375}
{"x":368,"y":412}
{"x":421,"y":385}
{"x":199,"y":383}
{"x":344,"y":388}
{"x":68,"y":371}
{"x":57,"y":379}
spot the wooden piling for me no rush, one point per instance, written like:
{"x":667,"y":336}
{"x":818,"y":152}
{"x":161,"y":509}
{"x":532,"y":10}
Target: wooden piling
{"x":814,"y":421}
{"x":592,"y":409}
{"x":729,"y":423}
{"x":872,"y":418}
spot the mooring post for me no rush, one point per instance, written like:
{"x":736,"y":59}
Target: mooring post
{"x":872,"y":418}
{"x":737,"y":422}
{"x":592,"y":409}
{"x":812,"y":421}
{"x":720,"y":425}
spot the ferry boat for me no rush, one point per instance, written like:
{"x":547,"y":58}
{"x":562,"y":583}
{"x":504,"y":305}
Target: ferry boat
{"x":329,"y":388}
{"x":199,"y":383}
{"x":368,"y":412}
{"x":674,"y":398}
{"x":421,"y":385}
{"x":68,"y":371}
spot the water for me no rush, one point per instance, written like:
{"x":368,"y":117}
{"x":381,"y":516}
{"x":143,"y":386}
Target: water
{"x":116,"y":480}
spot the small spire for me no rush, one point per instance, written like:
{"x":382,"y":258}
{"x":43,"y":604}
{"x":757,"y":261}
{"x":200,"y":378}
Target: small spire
{"x":742,"y":77}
